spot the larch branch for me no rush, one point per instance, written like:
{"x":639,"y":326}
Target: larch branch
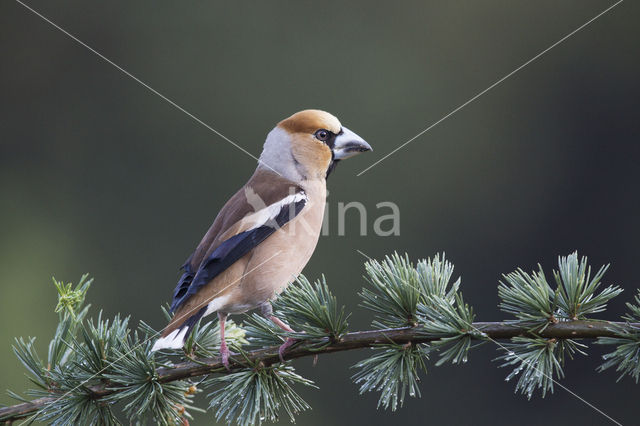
{"x":582,"y":329}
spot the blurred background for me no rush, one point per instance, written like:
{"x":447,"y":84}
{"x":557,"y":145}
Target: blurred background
{"x":99,"y":175}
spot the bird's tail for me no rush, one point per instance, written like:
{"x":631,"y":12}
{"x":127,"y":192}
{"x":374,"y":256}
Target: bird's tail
{"x":174,"y":336}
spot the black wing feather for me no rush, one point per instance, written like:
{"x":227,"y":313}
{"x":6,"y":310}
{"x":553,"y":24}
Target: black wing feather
{"x":184,"y":282}
{"x":227,"y":254}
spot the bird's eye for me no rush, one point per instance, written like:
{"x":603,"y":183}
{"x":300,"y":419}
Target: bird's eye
{"x":322,"y":135}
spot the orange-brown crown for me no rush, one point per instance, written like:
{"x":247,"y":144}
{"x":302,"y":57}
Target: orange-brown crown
{"x":310,"y":120}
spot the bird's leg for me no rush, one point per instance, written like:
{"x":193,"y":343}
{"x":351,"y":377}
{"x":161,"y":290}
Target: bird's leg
{"x":290,"y":340}
{"x":224,"y":350}
{"x":267,"y":312}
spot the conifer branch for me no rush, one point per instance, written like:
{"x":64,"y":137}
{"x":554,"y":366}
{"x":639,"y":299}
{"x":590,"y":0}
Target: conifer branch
{"x":589,"y":329}
{"x":98,"y":369}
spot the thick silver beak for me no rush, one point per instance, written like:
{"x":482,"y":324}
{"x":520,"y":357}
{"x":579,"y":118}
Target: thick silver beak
{"x":348,"y":144}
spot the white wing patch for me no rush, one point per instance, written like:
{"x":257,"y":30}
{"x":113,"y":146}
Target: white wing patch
{"x":265,"y":214}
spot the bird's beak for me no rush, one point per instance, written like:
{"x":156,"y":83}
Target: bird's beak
{"x":348,"y":144}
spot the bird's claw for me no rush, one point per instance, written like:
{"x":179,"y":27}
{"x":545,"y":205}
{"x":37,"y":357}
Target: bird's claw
{"x":224,"y":355}
{"x":283,"y":348}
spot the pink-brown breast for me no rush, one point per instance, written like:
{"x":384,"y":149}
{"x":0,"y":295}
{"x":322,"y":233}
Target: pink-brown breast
{"x":281,"y":257}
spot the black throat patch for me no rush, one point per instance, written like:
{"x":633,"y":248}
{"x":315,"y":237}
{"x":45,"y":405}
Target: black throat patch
{"x":330,"y":143}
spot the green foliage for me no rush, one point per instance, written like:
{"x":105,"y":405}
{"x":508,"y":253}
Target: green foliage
{"x":71,"y":298}
{"x":132,"y":373}
{"x":24,"y":350}
{"x":577,"y":295}
{"x":87,"y":358}
{"x":395,"y":291}
{"x":537,"y":361}
{"x":535,"y":304}
{"x":317,"y":317}
{"x":68,"y":384}
{"x":420,"y":296}
{"x":262,"y":331}
{"x":392,"y":371}
{"x":313,"y":309}
{"x":626,"y":357}
{"x":59,"y":378}
{"x":452,"y":324}
{"x":100,"y":368}
{"x":398,"y":287}
{"x":434,"y":277}
{"x":256,"y":394}
{"x":530,"y":298}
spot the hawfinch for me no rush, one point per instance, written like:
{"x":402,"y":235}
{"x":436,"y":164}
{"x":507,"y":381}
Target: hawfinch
{"x":265,"y":234}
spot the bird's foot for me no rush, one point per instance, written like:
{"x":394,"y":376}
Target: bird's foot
{"x":286,"y":345}
{"x":224,"y":355}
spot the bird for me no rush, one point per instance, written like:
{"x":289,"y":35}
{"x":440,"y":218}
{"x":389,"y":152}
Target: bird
{"x":265,"y":234}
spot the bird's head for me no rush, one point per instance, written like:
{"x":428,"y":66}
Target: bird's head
{"x":308,"y":145}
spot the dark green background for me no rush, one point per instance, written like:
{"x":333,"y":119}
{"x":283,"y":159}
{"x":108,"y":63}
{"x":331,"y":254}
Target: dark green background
{"x":99,"y":175}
